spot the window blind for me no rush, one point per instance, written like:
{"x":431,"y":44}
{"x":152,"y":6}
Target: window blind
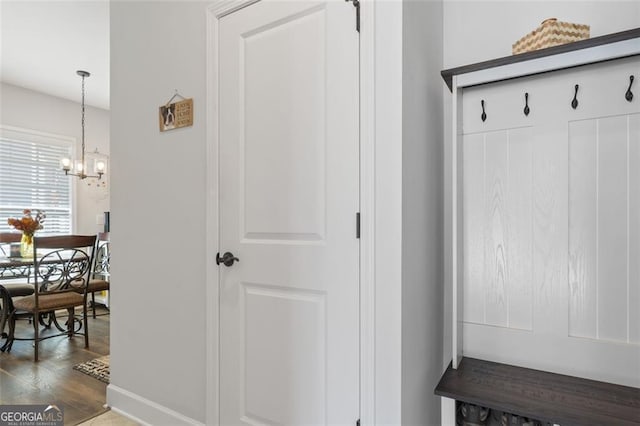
{"x":31,"y":177}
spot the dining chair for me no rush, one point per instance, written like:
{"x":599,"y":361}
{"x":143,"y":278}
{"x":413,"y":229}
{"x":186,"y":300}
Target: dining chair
{"x":62,"y":265}
{"x":15,"y":280}
{"x":100,"y":275}
{"x":8,"y":238}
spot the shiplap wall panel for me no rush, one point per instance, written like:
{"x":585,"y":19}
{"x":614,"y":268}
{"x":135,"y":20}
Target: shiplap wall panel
{"x":634,"y":229}
{"x":495,"y":219}
{"x":554,"y":196}
{"x":550,"y":229}
{"x":583,"y":166}
{"x":474,"y":229}
{"x":498,"y":274}
{"x":519,"y":222}
{"x":612,"y":238}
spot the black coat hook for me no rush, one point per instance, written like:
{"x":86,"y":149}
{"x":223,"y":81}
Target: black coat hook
{"x":484,"y":114}
{"x":526,"y":104}
{"x":629,"y":95}
{"x":574,"y":102}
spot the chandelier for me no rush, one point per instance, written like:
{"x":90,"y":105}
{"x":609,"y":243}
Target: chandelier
{"x":80,"y":166}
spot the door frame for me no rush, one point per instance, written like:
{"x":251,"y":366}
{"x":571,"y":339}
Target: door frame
{"x":217,"y":10}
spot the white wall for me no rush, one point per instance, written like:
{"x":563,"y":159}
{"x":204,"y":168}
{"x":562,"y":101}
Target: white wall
{"x":158,"y":213}
{"x":422,"y":143}
{"x":159,"y":184}
{"x":388,"y":211}
{"x":31,"y":110}
{"x":477,"y":30}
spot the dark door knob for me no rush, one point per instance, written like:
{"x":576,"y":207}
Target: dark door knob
{"x":228,"y":258}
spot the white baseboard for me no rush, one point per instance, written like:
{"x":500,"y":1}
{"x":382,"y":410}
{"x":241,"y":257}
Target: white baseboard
{"x":144,"y":411}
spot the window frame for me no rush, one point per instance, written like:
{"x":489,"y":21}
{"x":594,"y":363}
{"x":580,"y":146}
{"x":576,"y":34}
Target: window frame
{"x":20,"y":134}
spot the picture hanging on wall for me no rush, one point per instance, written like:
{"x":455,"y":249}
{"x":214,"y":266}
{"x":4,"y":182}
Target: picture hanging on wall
{"x":176,"y":115}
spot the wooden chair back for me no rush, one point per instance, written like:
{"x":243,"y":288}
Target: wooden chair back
{"x":62,"y":263}
{"x":8,"y":238}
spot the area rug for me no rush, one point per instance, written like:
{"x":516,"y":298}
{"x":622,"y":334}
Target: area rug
{"x":97,"y":368}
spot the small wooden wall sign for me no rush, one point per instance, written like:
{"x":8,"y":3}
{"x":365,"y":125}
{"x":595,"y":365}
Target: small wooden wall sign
{"x":176,"y":115}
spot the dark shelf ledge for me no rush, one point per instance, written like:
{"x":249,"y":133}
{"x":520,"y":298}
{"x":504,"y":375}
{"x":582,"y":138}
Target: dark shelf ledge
{"x":448,"y":74}
{"x":541,"y":395}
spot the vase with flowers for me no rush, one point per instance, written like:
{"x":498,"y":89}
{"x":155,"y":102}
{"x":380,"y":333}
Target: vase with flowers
{"x":29,"y":223}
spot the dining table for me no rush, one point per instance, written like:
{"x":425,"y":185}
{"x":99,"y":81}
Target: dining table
{"x":15,"y":267}
{"x":17,"y":272}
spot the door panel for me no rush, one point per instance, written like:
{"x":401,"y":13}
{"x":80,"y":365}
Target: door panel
{"x":287,"y":163}
{"x":286,"y":337}
{"x":289,"y":318}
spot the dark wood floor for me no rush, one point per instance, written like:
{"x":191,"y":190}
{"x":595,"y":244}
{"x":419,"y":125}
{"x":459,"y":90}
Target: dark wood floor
{"x":52,"y":380}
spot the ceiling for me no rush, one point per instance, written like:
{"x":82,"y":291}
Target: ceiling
{"x":43,"y":43}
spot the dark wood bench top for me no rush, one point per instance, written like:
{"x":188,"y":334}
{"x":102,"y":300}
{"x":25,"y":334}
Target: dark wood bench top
{"x":540,"y":395}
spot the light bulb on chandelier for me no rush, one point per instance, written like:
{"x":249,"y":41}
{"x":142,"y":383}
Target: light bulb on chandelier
{"x":79,"y":167}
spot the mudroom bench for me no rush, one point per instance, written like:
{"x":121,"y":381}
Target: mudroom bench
{"x":542,"y":291}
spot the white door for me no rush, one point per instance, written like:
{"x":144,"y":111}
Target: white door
{"x":289,"y":166}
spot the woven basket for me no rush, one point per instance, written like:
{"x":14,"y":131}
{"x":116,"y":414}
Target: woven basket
{"x":551,"y":33}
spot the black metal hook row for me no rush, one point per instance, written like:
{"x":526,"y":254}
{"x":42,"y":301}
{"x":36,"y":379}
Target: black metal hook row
{"x":526,"y":107}
{"x":628,"y":94}
{"x":574,"y":102}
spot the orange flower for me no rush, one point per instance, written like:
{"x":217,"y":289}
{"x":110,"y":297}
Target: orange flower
{"x":28,"y":224}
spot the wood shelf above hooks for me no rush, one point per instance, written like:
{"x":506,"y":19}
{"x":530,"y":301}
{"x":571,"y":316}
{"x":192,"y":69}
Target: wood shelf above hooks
{"x":593,"y":50}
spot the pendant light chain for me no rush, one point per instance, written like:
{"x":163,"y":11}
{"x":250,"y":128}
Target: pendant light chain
{"x":84,"y":172}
